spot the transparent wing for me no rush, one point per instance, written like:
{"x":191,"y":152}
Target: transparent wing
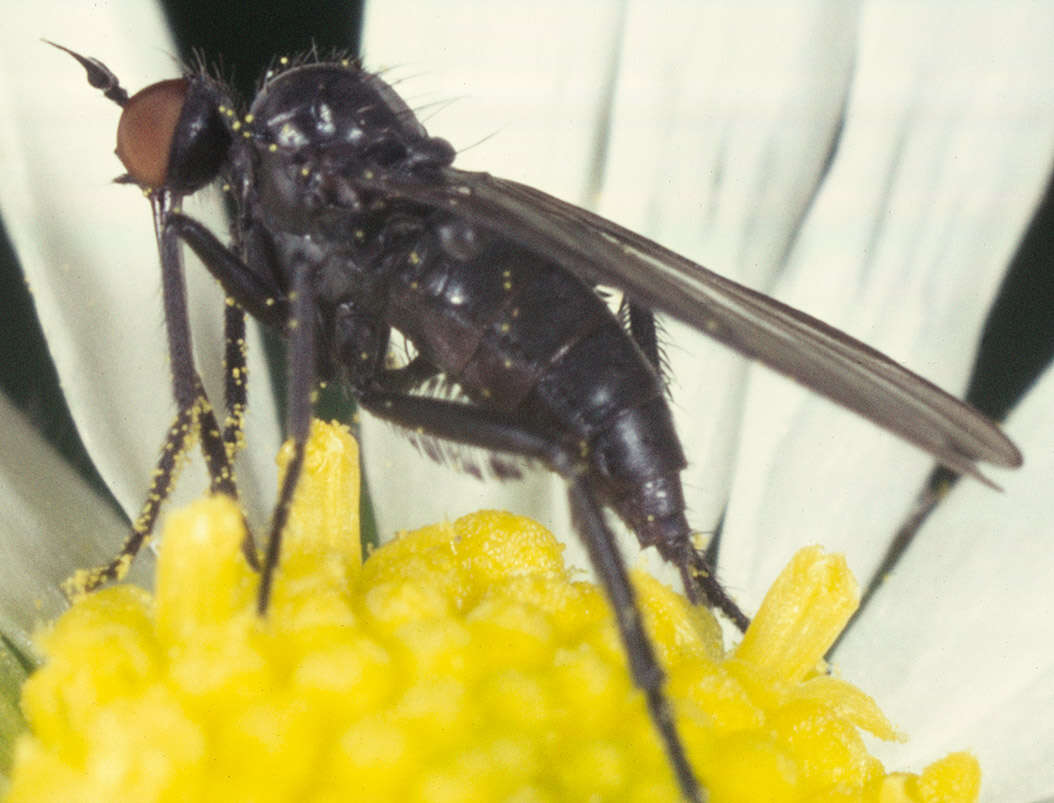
{"x":803,"y":348}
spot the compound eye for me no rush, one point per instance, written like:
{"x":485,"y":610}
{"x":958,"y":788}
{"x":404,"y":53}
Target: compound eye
{"x":146,"y":129}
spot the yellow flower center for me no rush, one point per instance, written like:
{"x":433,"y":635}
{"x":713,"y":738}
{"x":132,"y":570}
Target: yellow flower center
{"x":460,"y":662}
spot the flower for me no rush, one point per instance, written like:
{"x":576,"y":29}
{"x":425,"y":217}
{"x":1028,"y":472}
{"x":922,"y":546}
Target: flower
{"x":945,"y":129}
{"x":461,"y":662}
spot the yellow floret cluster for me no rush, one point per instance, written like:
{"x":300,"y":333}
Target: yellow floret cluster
{"x":460,"y":662}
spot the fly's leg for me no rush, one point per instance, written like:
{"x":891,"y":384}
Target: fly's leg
{"x":245,"y":286}
{"x":196,"y":419}
{"x":194,"y":414}
{"x":301,"y":362}
{"x":491,"y":430}
{"x":295,"y":315}
{"x":236,"y":377}
{"x":647,"y":674}
{"x":186,"y":384}
{"x":236,"y":394}
{"x":235,"y":367}
{"x":172,"y":453}
{"x":701,"y":585}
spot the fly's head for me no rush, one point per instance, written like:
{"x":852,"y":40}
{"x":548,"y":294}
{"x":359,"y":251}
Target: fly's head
{"x":172,"y":135}
{"x":318,"y":126}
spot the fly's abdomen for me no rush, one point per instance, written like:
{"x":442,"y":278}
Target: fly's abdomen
{"x":606,"y":392}
{"x":521,"y":335}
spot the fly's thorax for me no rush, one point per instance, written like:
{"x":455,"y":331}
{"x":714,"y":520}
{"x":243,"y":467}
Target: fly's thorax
{"x":317,"y":128}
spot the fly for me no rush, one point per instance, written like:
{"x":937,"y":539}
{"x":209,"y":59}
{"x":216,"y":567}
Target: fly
{"x":351,"y":222}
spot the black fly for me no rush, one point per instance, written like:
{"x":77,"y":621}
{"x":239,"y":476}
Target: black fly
{"x":351,"y":222}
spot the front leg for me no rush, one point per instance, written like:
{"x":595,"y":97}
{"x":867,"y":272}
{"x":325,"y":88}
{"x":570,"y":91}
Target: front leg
{"x":253,"y":293}
{"x":194,"y":412}
{"x":194,"y":407}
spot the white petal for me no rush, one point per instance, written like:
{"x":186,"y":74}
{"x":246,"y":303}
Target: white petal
{"x":87,"y":245}
{"x":51,"y":524}
{"x":947,"y":146}
{"x":958,"y":644}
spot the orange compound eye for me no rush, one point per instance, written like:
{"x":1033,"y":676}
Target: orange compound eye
{"x":147,"y":127}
